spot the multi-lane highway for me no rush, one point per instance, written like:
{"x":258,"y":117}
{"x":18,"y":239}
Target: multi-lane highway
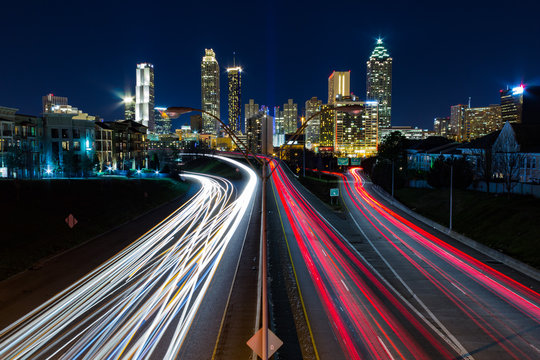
{"x":402,"y":293}
{"x":141,"y":303}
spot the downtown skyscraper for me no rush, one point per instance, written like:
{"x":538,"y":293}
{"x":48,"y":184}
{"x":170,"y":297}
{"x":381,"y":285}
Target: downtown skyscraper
{"x":210,"y":92}
{"x":234,"y":75}
{"x":144,"y":95}
{"x":339,"y":83}
{"x":379,"y":83}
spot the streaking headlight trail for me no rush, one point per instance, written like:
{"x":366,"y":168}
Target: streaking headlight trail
{"x":146,"y":296}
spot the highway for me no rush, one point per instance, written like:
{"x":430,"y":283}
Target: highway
{"x":385,"y":298}
{"x":141,"y":303}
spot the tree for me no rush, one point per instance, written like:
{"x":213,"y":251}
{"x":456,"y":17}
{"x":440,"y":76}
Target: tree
{"x":71,"y":163}
{"x":439,"y":174}
{"x":484,"y":164}
{"x":87,"y":166}
{"x":391,"y":157}
{"x":15,"y":159}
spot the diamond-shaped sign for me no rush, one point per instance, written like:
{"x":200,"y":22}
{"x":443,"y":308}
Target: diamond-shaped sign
{"x":255,"y":343}
{"x":71,"y":221}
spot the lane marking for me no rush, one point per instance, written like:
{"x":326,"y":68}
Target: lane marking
{"x":295,"y":276}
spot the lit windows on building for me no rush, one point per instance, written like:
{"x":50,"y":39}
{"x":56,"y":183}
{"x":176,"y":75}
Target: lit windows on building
{"x":210,"y":95}
{"x":379,"y":82}
{"x":144,"y":96}
{"x":338,"y":85}
{"x":313,"y":106}
{"x":234,"y":75}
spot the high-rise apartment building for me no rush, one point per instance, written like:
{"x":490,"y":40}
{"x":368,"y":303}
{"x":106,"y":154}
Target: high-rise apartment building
{"x":50,"y":101}
{"x":379,"y":82}
{"x":338,"y":84}
{"x":144,"y":95}
{"x":162,"y":121}
{"x":210,"y":91}
{"x":290,"y":117}
{"x":235,"y":97}
{"x":480,"y":121}
{"x":313,"y":106}
{"x":458,"y":129}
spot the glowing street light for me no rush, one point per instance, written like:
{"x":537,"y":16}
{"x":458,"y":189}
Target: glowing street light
{"x":128,"y":100}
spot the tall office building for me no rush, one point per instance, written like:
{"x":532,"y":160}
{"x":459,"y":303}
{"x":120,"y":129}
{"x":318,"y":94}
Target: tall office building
{"x":338,"y":84}
{"x":259,"y":132}
{"x":144,"y":95}
{"x":279,"y":127}
{"x":235,"y":97}
{"x":210,"y":91}
{"x":458,"y":129}
{"x":250,"y":109}
{"x":349,"y":134}
{"x":355,"y":134}
{"x":313,"y":106}
{"x":162,"y":120}
{"x":50,"y":101}
{"x":129,"y":108}
{"x":512,"y":104}
{"x":290,"y":117}
{"x":326,"y":129}
{"x":379,"y":83}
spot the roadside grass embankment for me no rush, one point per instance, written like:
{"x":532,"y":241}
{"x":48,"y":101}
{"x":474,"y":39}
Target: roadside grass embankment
{"x":33,"y":213}
{"x":320,"y":184}
{"x":207,"y":165}
{"x":510,"y":225}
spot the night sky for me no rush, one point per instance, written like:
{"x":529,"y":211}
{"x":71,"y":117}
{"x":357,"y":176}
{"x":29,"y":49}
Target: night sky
{"x":442,"y":53}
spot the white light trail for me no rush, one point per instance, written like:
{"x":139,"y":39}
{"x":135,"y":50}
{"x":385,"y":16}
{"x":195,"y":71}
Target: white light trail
{"x":147,"y":295}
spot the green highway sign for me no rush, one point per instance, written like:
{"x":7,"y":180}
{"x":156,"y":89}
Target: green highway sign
{"x":356,"y":161}
{"x":343,"y":161}
{"x":334,"y":192}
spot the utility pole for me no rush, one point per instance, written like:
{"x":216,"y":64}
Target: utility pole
{"x":451,"y":185}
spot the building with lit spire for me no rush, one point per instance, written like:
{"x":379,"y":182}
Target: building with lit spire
{"x":234,"y":75}
{"x":210,"y":92}
{"x":379,"y":83}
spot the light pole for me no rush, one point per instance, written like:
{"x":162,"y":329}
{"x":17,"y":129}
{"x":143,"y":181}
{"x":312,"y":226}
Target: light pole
{"x":392,"y":178}
{"x":451,"y":185}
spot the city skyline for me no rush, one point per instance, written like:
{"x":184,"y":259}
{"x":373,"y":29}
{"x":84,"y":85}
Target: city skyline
{"x":442,"y":79}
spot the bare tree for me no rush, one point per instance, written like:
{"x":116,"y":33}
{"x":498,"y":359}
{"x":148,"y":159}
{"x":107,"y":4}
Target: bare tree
{"x":485,"y":168}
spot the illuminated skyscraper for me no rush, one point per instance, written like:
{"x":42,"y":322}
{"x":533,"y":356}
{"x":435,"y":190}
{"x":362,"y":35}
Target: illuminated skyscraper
{"x":290,"y":117}
{"x":210,"y":91}
{"x":349,"y":134}
{"x":129,"y":108}
{"x":162,"y":120}
{"x":279,"y":128}
{"x":259,"y":132}
{"x":481,"y":121}
{"x":235,"y":97}
{"x":379,"y":82}
{"x":313,"y":106}
{"x":338,"y":84}
{"x":250,"y":109}
{"x":144,"y":96}
{"x":458,"y":128}
{"x":512,"y":104}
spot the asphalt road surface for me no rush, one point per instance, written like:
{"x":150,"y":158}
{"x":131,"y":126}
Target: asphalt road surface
{"x":142,"y":302}
{"x":377,"y":285}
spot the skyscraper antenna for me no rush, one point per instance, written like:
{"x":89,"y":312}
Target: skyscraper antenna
{"x":469,"y":102}
{"x":234,"y":58}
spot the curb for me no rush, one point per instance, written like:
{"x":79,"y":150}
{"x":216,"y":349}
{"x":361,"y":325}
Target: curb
{"x":494,"y":254}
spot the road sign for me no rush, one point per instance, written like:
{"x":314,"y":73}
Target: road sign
{"x":255,"y":343}
{"x":343,"y":161}
{"x":334,"y":192}
{"x":356,"y":161}
{"x":71,"y":221}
